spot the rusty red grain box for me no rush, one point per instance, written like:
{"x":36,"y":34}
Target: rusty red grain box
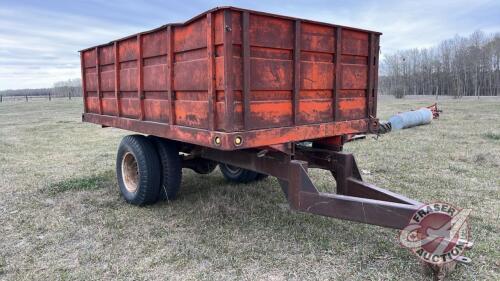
{"x":229,"y":73}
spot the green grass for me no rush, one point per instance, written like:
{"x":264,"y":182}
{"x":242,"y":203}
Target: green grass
{"x":62,"y":216}
{"x":83,"y":183}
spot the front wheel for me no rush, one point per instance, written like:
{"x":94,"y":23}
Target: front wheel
{"x":239,"y":175}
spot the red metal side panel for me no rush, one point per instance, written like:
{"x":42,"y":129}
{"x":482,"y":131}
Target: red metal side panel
{"x":218,"y":29}
{"x":142,"y":79}
{"x":127,"y":57}
{"x":269,"y":42}
{"x":107,"y":80}
{"x":317,"y":77}
{"x":271,"y":98}
{"x":354,"y":75}
{"x":190,"y":74}
{"x":233,"y":72}
{"x":90,"y":81}
{"x":154,"y":48}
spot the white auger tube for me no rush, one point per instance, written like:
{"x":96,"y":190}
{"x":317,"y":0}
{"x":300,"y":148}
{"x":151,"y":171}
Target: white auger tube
{"x":410,"y":119}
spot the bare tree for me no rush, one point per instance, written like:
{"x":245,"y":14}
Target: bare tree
{"x":71,"y":88}
{"x":461,"y":66}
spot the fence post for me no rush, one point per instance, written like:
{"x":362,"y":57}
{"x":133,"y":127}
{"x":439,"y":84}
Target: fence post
{"x":69,"y":95}
{"x":26,"y":98}
{"x":50,"y":98}
{"x":1,"y":98}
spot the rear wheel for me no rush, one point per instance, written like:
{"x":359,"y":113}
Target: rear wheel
{"x":239,"y":175}
{"x":171,"y":167}
{"x":138,"y":170}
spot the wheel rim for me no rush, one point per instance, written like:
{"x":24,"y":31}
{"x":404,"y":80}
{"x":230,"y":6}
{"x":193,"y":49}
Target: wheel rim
{"x":232,"y":169}
{"x":130,"y":172}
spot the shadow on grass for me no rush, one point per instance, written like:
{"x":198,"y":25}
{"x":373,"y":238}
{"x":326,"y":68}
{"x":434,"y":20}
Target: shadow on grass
{"x":93,"y":182}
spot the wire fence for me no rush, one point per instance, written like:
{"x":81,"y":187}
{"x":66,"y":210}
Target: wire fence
{"x":28,"y":98}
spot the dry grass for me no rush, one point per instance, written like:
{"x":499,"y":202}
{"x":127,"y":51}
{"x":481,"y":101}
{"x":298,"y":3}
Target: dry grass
{"x":62,"y":216}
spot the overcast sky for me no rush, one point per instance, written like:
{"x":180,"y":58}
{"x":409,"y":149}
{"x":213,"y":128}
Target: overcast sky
{"x":39,"y":40}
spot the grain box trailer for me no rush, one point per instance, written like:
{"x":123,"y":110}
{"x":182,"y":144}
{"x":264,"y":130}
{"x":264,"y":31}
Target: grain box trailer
{"x":256,"y":94}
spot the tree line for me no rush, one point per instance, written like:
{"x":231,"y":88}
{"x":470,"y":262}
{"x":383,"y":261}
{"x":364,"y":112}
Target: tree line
{"x":71,"y":88}
{"x":462,"y":66}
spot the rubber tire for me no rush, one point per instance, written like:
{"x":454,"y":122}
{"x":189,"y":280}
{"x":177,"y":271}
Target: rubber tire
{"x":171,"y":167}
{"x":241,"y":176}
{"x":148,"y":166}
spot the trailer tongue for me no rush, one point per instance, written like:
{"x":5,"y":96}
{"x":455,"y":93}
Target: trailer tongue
{"x":355,"y":199}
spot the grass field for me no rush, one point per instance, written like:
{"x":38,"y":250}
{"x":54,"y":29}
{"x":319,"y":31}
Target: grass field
{"x":62,"y":218}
